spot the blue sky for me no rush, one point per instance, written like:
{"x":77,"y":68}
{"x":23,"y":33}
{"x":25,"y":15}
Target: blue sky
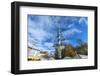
{"x":42,"y":30}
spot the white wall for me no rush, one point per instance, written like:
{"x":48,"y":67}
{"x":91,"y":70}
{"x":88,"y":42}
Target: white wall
{"x":5,"y":41}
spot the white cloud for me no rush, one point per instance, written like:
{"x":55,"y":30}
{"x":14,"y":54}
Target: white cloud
{"x":70,"y":26}
{"x":45,"y":47}
{"x":48,"y":44}
{"x":72,"y":31}
{"x":38,"y":34}
{"x":82,"y":20}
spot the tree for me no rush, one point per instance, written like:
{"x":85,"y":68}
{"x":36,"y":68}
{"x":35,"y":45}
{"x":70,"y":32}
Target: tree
{"x":69,"y":51}
{"x":82,"y":48}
